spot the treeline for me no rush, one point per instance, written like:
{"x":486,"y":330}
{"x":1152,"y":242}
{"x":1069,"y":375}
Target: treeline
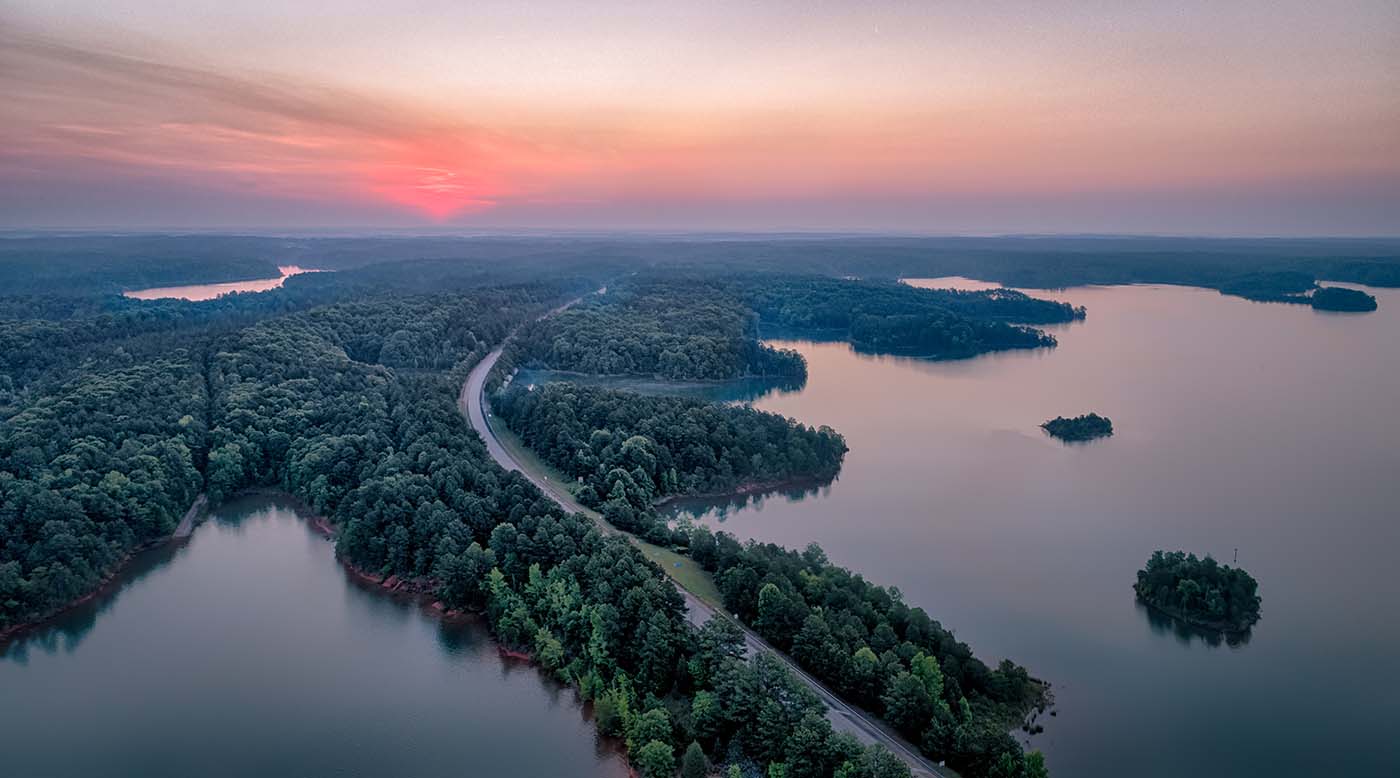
{"x":97,"y":468}
{"x":1202,"y":592}
{"x":628,"y":450}
{"x":692,"y":331}
{"x":888,"y":317}
{"x":863,"y":641}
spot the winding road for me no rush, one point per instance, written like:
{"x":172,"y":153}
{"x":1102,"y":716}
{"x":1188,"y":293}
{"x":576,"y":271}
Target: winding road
{"x":843,"y":717}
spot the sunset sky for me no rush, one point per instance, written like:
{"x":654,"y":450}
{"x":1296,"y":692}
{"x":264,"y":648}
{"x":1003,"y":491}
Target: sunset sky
{"x":1220,"y":117}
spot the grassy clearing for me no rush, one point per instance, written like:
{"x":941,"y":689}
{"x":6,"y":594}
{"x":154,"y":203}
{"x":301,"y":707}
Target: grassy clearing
{"x":685,"y":572}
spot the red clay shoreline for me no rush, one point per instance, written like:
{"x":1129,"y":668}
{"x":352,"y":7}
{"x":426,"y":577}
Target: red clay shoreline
{"x":109,"y":583}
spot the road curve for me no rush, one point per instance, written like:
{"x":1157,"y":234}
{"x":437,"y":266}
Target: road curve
{"x":843,"y":717}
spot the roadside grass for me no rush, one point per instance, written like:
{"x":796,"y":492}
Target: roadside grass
{"x":679,"y":567}
{"x":685,"y":572}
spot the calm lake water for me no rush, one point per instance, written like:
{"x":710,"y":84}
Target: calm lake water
{"x":210,"y":291}
{"x":1269,"y":428}
{"x":249,"y":651}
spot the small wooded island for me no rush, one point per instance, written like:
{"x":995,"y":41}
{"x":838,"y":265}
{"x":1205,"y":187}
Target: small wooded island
{"x":1338,"y":298}
{"x":1086,"y":427}
{"x":1200,"y":592}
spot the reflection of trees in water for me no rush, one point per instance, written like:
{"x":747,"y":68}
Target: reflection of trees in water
{"x":741,"y":390}
{"x":720,"y":508}
{"x":66,"y":630}
{"x":1186,"y":633}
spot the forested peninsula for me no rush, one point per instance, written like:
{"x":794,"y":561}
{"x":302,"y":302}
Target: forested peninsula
{"x":629,"y":450}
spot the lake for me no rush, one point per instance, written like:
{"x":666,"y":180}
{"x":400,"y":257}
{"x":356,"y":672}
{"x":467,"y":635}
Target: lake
{"x":210,"y":291}
{"x":249,"y":650}
{"x":1267,"y":428}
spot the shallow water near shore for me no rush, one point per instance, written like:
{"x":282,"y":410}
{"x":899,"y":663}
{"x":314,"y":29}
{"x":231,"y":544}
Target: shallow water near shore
{"x":1268,"y":428}
{"x":249,"y":650}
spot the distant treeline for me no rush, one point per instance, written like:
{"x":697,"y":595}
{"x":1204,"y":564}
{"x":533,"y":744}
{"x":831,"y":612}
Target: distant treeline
{"x":1026,"y":261}
{"x":629,"y":450}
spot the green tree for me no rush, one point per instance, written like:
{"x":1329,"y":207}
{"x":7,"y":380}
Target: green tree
{"x":693,"y":762}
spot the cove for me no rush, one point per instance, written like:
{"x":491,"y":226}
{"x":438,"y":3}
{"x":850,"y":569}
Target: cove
{"x":1264,"y":427}
{"x":249,"y":650}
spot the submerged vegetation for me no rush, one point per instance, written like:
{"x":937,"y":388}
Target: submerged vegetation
{"x":1200,"y":592}
{"x":1080,"y":428}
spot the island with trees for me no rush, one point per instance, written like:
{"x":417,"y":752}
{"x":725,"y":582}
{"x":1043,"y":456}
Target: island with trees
{"x":1199,"y":592}
{"x":1080,"y":428}
{"x":1339,"y":298}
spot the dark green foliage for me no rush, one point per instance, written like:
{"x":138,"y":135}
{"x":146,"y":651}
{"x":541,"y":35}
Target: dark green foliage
{"x":890,"y":317}
{"x":630,"y":449}
{"x":1337,"y":298}
{"x":677,"y":331}
{"x":864,"y":642}
{"x":1079,"y":428}
{"x":102,"y":465}
{"x":1202,"y":592}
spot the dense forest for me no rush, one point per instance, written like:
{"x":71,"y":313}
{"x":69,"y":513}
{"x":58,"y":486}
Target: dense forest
{"x":888,"y":317}
{"x":629,"y":450}
{"x":1201,"y":592}
{"x":866,"y":643}
{"x":696,"y":331}
{"x":351,"y":407}
{"x":1080,"y":428}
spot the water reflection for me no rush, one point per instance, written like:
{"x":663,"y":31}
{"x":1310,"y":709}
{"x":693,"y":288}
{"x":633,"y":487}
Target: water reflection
{"x":739,"y":390}
{"x":1163,"y":624}
{"x":720,"y":508}
{"x":65,"y":631}
{"x":251,"y":633}
{"x":211,"y":291}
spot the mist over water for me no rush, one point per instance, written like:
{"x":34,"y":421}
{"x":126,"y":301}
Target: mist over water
{"x":1264,"y":427}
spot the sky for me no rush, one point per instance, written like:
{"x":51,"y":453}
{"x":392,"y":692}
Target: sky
{"x":1208,"y":118}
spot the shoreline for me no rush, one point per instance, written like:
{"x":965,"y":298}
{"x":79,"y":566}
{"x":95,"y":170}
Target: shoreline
{"x":111,"y":581}
{"x":748,"y":489}
{"x":1219,"y":628}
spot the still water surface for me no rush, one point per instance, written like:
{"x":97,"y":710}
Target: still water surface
{"x":249,"y":651}
{"x":1269,"y":428}
{"x":210,"y":291}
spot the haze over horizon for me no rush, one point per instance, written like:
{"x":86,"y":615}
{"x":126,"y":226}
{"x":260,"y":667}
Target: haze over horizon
{"x":1253,"y":119}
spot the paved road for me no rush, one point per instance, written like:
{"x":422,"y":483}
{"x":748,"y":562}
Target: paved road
{"x":843,"y":717}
